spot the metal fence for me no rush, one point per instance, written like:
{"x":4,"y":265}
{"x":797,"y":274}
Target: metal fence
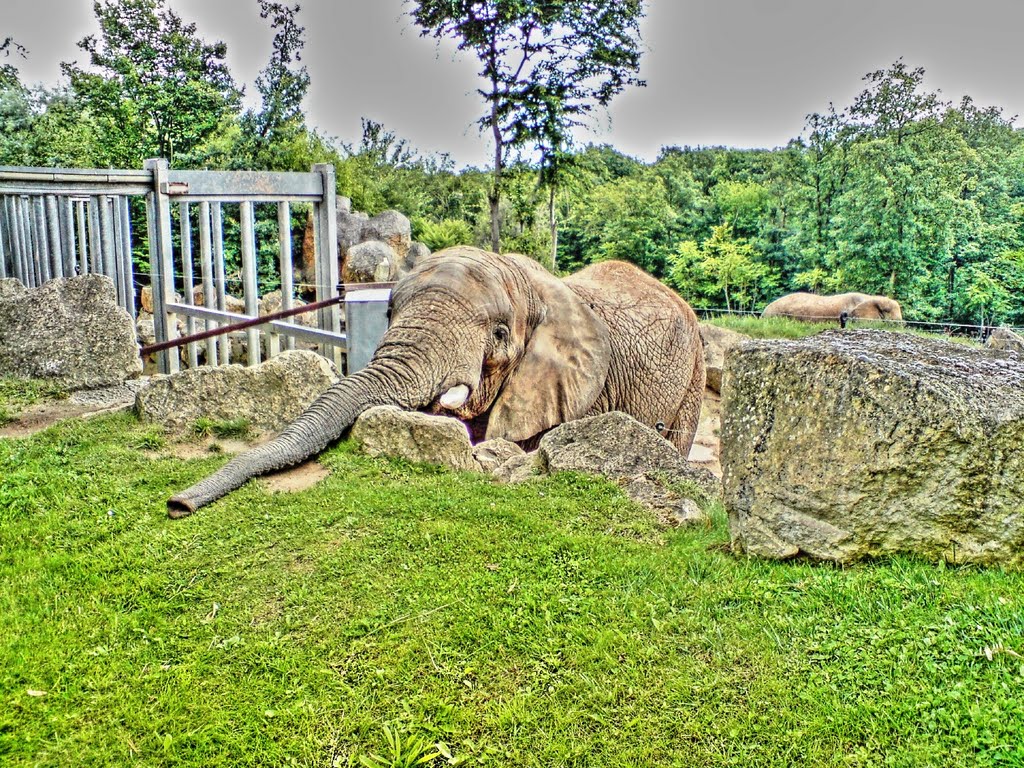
{"x":61,"y":223}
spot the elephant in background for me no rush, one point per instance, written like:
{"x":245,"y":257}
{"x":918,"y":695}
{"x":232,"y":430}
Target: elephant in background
{"x":812,"y":308}
{"x":503,"y":345}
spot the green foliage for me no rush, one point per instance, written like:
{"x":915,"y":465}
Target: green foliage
{"x":403,"y":751}
{"x":443,"y":234}
{"x":724,"y":271}
{"x":154,"y":88}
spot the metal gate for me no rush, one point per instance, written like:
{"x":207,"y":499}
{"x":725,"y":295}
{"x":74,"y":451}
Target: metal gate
{"x":59,"y":223}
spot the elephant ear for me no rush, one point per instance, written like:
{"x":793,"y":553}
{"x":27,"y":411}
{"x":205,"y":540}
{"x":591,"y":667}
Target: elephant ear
{"x":563,"y":370}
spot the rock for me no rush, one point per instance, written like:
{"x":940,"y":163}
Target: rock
{"x":491,"y":454}
{"x":269,"y":396}
{"x":343,"y":203}
{"x":231,"y":303}
{"x":392,"y":228}
{"x":350,"y":230}
{"x":368,"y":261}
{"x":861,"y":443}
{"x":274,"y":302}
{"x":617,"y":446}
{"x":717,"y":341}
{"x":518,"y":468}
{"x":70,"y":331}
{"x":416,"y":252}
{"x":1006,"y":339}
{"x":389,"y":431}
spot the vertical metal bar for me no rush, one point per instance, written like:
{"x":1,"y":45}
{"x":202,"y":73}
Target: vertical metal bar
{"x":56,"y":257}
{"x":17,"y":247}
{"x":284,"y":237}
{"x":95,"y":239}
{"x":218,"y":264}
{"x":67,"y":236}
{"x":107,"y":239}
{"x":206,"y":269}
{"x":4,"y":228}
{"x":325,"y":234}
{"x":27,"y":242}
{"x":162,"y":260}
{"x":187,"y":278}
{"x":83,"y":240}
{"x":115,"y":239}
{"x":252,"y":307}
{"x":127,"y":266}
{"x":42,"y":251}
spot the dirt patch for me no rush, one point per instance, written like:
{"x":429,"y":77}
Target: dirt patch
{"x":298,"y":478}
{"x":36,"y":418}
{"x":201,"y":448}
{"x":707,"y":443}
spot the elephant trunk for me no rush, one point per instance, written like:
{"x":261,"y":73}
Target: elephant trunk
{"x":323,"y":422}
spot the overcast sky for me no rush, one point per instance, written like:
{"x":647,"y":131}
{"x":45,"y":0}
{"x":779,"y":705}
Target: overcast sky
{"x":741,"y":73}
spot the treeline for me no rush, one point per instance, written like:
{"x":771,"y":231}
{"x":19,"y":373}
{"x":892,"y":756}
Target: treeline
{"x":899,"y":193}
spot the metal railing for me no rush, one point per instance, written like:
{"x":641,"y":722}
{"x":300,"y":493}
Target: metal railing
{"x":65,"y":222}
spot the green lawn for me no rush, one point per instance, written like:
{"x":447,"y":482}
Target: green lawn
{"x":393,"y":608}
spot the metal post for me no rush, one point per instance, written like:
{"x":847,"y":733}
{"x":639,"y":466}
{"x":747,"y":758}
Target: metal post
{"x":83,"y":240}
{"x":127,"y":268}
{"x":162,"y":263}
{"x":206,"y":269}
{"x":56,"y":258}
{"x":284,"y":236}
{"x":252,"y":306}
{"x":325,"y":235}
{"x":187,"y":278}
{"x":220,"y":277}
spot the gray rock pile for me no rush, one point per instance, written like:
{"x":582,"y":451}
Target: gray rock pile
{"x":1005,"y":339}
{"x":861,"y":443}
{"x":70,"y":331}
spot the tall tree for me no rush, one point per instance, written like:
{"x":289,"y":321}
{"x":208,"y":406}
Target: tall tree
{"x":155,"y":87}
{"x":546,"y":65}
{"x":282,"y":85}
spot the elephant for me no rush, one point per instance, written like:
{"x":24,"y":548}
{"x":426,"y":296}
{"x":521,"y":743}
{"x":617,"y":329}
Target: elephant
{"x":500,"y":343}
{"x":812,"y":308}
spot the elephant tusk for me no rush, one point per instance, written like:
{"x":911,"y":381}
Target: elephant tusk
{"x":455,"y":397}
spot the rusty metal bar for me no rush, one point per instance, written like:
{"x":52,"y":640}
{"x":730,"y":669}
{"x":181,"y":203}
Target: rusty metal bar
{"x":251,"y":322}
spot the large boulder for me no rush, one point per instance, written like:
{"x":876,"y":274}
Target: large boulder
{"x":861,"y":443}
{"x":268,"y":396}
{"x":369,"y":262}
{"x":717,"y":342}
{"x":391,"y":227}
{"x":350,"y":229}
{"x":70,"y":331}
{"x":420,"y":437}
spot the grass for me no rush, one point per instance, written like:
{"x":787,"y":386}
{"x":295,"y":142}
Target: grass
{"x":397,"y":613}
{"x":787,"y":328}
{"x":18,"y":394}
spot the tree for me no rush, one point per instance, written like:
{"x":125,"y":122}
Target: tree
{"x":156,"y":88}
{"x":267,"y":135}
{"x":722,"y":269}
{"x":546,"y":65}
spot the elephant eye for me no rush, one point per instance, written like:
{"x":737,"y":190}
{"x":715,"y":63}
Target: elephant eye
{"x":501,"y":334}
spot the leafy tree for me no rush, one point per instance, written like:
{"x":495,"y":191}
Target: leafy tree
{"x":723,"y":270}
{"x":155,"y":88}
{"x":269,"y":135}
{"x":546,"y":64}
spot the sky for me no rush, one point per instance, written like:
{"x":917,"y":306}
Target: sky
{"x":741,"y":73}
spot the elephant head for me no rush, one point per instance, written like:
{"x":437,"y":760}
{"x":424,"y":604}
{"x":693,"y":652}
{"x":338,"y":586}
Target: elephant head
{"x":877,"y":308}
{"x":495,"y":341}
